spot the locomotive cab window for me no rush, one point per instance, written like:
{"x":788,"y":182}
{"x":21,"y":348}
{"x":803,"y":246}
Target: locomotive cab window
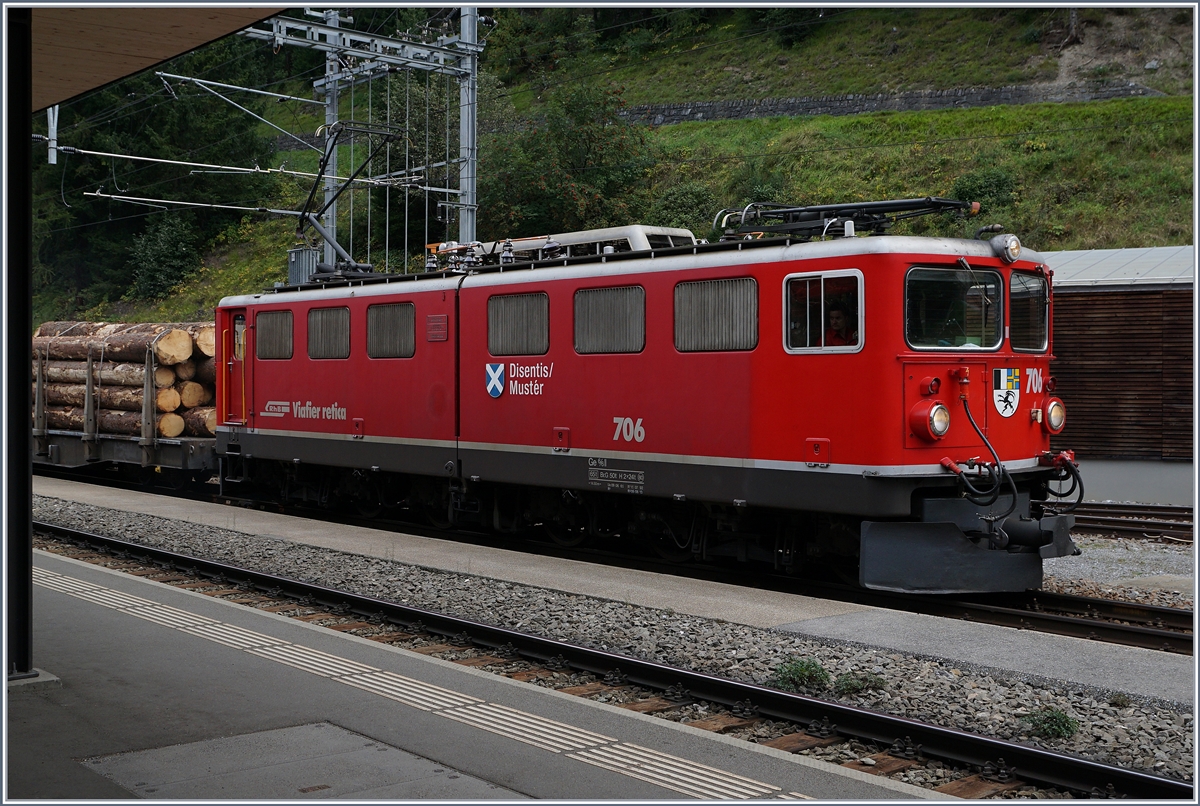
{"x":273,"y":335}
{"x":953,"y":309}
{"x":239,"y":337}
{"x":824,"y":312}
{"x":519,"y":324}
{"x":1028,"y":312}
{"x":329,"y":333}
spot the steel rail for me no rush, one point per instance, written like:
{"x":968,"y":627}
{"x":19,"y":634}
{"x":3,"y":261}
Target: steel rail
{"x":1084,"y":523}
{"x":1154,"y":615}
{"x":1154,"y":510}
{"x":1022,"y":611}
{"x":1031,"y":763}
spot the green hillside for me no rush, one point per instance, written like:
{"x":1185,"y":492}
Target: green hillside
{"x":555,"y":155}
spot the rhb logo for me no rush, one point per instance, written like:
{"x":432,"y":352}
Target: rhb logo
{"x":275,"y":408}
{"x":495,"y":379}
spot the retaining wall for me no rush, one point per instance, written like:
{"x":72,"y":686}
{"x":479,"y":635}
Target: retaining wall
{"x":667,"y":114}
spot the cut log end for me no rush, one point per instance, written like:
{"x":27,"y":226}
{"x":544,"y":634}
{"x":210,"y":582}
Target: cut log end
{"x":200,"y":422}
{"x":173,"y":347}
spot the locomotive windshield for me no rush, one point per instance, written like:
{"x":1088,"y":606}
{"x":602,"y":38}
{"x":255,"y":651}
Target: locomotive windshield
{"x":1029,"y":299}
{"x":953,"y":309}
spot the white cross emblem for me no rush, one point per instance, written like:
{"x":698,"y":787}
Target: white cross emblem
{"x":495,"y":379}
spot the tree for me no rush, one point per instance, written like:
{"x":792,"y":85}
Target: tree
{"x":582,"y":167}
{"x":82,"y":244}
{"x":162,"y":256}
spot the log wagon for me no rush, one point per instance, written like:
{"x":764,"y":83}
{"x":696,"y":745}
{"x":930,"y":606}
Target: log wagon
{"x":134,"y":395}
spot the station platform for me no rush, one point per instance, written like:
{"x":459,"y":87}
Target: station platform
{"x":1140,"y":672}
{"x":156,"y":692}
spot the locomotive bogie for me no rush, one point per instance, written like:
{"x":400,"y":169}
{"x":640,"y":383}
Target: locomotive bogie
{"x":772,"y":401}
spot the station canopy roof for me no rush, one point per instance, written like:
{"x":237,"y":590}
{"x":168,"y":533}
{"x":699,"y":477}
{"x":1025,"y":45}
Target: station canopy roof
{"x":1157,"y":266}
{"x":76,"y":50}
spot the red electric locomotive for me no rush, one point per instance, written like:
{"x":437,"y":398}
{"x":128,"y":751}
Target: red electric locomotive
{"x":807,"y":391}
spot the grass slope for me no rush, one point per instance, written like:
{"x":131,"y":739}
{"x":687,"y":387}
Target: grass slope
{"x":1062,"y":176}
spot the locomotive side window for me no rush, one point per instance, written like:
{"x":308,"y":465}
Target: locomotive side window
{"x":953,"y":309}
{"x":610,"y":320}
{"x":519,"y":324}
{"x":392,"y":330}
{"x":824,"y":312}
{"x":239,"y":337}
{"x":716,"y":315}
{"x":329,"y":333}
{"x":1029,"y":304}
{"x":273,"y":335}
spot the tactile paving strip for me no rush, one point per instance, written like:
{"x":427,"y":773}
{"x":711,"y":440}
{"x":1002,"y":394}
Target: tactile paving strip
{"x":661,"y":769}
{"x":678,"y":774}
{"x":535,"y":730}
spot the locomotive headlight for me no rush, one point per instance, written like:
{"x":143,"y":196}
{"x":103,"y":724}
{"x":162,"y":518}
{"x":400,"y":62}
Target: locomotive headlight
{"x":939,"y":420}
{"x":1008,"y":247}
{"x":929,"y":420}
{"x":1056,"y":415}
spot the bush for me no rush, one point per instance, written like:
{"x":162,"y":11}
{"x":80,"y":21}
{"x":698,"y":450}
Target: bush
{"x":856,"y":683}
{"x":1052,"y":723}
{"x":161,"y":257}
{"x":686,"y":205}
{"x":991,"y":187}
{"x":791,"y":25}
{"x":801,"y":674}
{"x":1120,"y":700}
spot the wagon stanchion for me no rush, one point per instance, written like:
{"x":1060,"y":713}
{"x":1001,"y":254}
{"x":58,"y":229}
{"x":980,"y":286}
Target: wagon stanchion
{"x":89,"y":411}
{"x":149,"y":411}
{"x":39,"y":406}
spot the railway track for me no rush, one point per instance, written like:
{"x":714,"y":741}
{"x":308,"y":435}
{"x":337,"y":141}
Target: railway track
{"x":1001,"y":765}
{"x":1129,"y":624}
{"x":1125,"y":623}
{"x":1144,"y":520}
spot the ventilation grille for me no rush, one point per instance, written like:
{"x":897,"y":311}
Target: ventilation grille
{"x":610,"y":320}
{"x":716,"y":315}
{"x":273,"y":334}
{"x":519,"y":324}
{"x":329,"y":333}
{"x":392,"y":330}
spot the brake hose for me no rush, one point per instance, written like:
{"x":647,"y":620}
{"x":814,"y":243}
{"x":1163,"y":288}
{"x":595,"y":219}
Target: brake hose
{"x":1004,"y":474}
{"x":1068,"y":470}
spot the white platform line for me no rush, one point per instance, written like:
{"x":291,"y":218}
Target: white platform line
{"x":547,"y":734}
{"x":675,"y":773}
{"x":651,"y":766}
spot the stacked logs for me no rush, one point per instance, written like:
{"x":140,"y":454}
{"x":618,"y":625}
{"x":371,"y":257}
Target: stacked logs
{"x":184,"y":379}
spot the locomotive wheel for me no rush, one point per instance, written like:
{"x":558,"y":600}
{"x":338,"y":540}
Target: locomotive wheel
{"x":664,"y":546}
{"x":438,"y":516}
{"x":368,"y":509}
{"x":567,"y":536}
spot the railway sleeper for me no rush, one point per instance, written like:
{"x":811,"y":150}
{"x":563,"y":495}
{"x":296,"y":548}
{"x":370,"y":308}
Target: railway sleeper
{"x":989,"y":780}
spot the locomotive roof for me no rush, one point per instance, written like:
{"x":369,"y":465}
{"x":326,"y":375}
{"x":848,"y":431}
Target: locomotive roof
{"x":713,"y":255}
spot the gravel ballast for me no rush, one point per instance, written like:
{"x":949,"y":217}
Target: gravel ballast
{"x":1149,"y":735}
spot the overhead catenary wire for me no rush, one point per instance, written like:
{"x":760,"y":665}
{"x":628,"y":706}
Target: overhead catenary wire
{"x":207,"y":205}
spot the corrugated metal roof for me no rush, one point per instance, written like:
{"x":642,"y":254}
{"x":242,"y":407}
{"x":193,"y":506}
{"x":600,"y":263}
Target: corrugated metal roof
{"x":1161,"y":265}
